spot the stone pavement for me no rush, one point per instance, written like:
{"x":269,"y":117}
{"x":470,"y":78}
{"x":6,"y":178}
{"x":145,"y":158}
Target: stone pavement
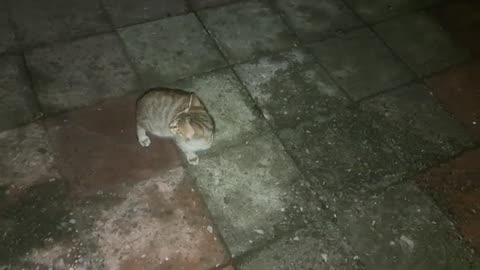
{"x":347,"y":135}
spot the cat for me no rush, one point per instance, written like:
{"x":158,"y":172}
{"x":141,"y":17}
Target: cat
{"x":177,"y":114}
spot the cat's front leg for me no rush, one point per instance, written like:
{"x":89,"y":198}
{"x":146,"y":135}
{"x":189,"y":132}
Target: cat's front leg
{"x":142,"y":137}
{"x":192,"y":158}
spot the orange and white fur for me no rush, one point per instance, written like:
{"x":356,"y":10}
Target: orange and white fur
{"x":177,"y":114}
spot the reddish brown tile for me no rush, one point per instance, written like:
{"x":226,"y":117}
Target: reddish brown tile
{"x":456,"y":186}
{"x":462,"y":19}
{"x":161,"y":224}
{"x":459,"y":91}
{"x":97,"y":147}
{"x":26,"y":157}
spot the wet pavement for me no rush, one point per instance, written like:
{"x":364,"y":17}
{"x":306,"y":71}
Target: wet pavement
{"x":348,"y":135}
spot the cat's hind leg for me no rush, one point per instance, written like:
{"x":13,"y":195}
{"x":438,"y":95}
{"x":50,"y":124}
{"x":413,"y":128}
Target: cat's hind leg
{"x":192,"y":158}
{"x":142,"y":137}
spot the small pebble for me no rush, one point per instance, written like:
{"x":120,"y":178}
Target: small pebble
{"x":259,"y":231}
{"x":72,"y":221}
{"x":407,"y":241}
{"x":210,"y":229}
{"x":296,"y":238}
{"x":324,"y":257}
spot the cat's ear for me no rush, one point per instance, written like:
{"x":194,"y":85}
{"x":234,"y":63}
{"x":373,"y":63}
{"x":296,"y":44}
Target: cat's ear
{"x":190,"y":102}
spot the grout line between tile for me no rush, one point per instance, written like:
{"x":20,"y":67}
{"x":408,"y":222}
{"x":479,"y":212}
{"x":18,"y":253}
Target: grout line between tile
{"x":249,"y":253}
{"x":380,"y":38}
{"x":216,"y":228}
{"x":25,"y":68}
{"x":120,"y":41}
{"x":401,"y":13}
{"x":59,"y":42}
{"x":191,"y":5}
{"x":31,"y":83}
{"x":257,"y":109}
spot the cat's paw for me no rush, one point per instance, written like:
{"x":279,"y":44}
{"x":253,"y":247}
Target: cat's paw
{"x":144,"y":141}
{"x":193,"y":160}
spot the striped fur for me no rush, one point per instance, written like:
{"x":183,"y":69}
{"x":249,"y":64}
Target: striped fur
{"x":177,"y":114}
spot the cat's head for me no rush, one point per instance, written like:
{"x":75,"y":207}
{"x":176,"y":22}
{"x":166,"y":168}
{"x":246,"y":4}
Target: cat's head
{"x":182,"y":127}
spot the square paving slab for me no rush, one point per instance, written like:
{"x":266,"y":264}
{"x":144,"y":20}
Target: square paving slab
{"x":324,"y":249}
{"x":455,"y":186}
{"x":229,"y":104}
{"x":160,"y":223}
{"x":291,"y":87}
{"x":425,"y":47}
{"x":32,"y":218}
{"x":18,"y":103}
{"x":459,"y":92}
{"x":378,"y":10}
{"x":361,"y":63}
{"x":389,"y":138}
{"x":343,"y":153}
{"x":173,"y":48}
{"x":26,"y":158}
{"x":46,"y":21}
{"x":96,"y":156}
{"x":247,"y":29}
{"x":420,"y":130}
{"x":125,"y":12}
{"x":314,"y":19}
{"x":402,"y":229}
{"x":251,"y":192}
{"x":81,"y":73}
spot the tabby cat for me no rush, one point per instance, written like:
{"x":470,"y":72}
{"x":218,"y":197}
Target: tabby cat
{"x":177,"y":114}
